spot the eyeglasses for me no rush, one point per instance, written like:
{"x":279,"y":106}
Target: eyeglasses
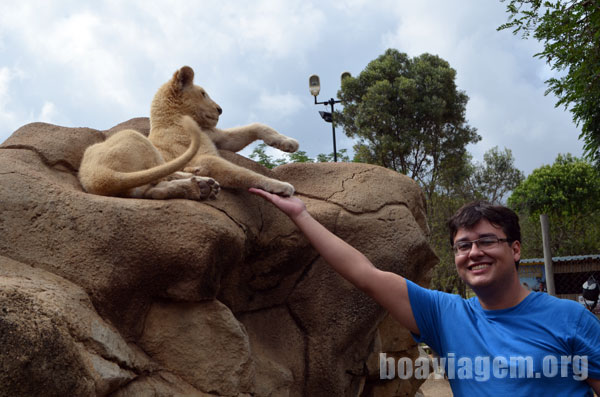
{"x":464,"y":247}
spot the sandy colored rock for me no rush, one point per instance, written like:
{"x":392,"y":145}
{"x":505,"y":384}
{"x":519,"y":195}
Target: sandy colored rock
{"x":278,"y":345}
{"x":201,"y":342}
{"x":57,"y":147}
{"x":159,"y":384}
{"x":54,"y":342}
{"x":138,"y":296}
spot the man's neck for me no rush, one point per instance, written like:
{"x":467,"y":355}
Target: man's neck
{"x":494,"y":298}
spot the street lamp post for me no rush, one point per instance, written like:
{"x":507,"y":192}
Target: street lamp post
{"x":314,"y":86}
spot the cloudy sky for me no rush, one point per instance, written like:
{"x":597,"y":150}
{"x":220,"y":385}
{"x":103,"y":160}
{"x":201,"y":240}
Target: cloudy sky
{"x":98,"y":63}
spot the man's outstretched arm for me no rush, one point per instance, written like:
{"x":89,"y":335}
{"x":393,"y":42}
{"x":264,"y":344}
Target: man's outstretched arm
{"x":388,"y":289}
{"x":595,"y":384}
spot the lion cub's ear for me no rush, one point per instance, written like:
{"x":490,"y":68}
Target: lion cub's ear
{"x":183,"y":78}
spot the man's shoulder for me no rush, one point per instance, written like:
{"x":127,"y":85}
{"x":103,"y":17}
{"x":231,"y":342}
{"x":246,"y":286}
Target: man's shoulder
{"x":416,"y":288}
{"x":545,"y":303}
{"x":420,"y":296}
{"x":547,"y":299}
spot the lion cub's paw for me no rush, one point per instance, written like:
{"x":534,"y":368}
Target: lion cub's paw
{"x":277,"y":187}
{"x":289,"y":145}
{"x":198,"y":171}
{"x":205,"y":188}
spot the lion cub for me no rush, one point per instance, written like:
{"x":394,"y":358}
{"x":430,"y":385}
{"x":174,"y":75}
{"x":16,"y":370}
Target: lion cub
{"x":128,"y":165}
{"x":179,"y":96}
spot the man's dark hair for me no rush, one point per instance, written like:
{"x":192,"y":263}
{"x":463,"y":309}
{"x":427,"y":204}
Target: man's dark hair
{"x":469,"y":214}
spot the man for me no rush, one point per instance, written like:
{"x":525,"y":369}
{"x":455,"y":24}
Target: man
{"x":529,"y":343}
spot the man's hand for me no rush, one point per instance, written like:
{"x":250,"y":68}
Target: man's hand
{"x":291,"y":206}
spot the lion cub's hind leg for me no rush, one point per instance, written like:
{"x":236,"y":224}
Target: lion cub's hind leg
{"x":203,"y":181}
{"x":190,"y":187}
{"x":233,"y":176}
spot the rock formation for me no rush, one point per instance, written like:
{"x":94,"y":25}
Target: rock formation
{"x":125,"y":297}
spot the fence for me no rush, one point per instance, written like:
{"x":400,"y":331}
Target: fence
{"x":570,"y":272}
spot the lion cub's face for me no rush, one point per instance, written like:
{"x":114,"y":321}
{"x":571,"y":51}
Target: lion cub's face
{"x":200,"y":106}
{"x":180,"y":96}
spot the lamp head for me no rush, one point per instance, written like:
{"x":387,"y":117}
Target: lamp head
{"x":314,"y":85}
{"x":326,"y":116}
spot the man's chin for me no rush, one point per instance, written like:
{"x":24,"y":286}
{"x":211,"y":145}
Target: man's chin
{"x":476,"y":282}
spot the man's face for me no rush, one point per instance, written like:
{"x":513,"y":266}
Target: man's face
{"x":491,"y":267}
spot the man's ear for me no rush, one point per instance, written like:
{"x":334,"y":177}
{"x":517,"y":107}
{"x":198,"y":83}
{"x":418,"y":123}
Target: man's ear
{"x":183,"y":78}
{"x":516,"y":248}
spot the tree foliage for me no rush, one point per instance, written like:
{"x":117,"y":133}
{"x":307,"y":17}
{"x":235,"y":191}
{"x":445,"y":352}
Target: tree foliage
{"x":569,"y":187}
{"x":407,"y":114}
{"x":342,"y":156}
{"x":570,"y":33}
{"x":568,"y":191}
{"x":444,"y":276}
{"x":496,"y":177}
{"x":260,"y":155}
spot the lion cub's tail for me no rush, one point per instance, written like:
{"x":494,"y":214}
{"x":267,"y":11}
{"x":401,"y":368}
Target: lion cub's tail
{"x":109,"y":182}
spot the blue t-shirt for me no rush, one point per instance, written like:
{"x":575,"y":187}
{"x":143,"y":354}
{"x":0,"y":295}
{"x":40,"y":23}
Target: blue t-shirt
{"x":539,"y":347}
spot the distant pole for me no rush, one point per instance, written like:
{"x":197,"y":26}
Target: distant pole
{"x":332,"y":102}
{"x":314,"y":85}
{"x":548,"y":267}
{"x":328,"y":117}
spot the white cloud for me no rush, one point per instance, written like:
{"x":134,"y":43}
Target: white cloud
{"x":82,"y":44}
{"x":49,"y":113}
{"x":7,"y":118}
{"x":102,"y":52}
{"x":74,"y":45}
{"x":281,"y":105}
{"x":99,"y":63}
{"x":5,"y":77}
{"x":272,"y":26}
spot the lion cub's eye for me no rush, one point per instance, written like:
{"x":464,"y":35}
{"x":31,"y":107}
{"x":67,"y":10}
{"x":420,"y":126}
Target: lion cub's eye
{"x":204,"y":94}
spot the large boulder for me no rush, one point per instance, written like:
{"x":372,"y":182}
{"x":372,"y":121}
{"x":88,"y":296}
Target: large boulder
{"x":103,"y":295}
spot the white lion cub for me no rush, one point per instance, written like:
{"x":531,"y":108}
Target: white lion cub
{"x":179,"y":97}
{"x":128,"y":165}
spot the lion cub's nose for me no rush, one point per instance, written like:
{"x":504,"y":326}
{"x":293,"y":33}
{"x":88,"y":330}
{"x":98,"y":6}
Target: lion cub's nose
{"x":219,"y":110}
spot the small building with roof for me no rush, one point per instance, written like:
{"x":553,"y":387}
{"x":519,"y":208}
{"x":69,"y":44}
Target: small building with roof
{"x":570,"y":272}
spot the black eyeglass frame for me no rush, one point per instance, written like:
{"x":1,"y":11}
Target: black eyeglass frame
{"x":471,"y":242}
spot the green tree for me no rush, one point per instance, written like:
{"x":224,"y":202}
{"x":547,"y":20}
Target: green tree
{"x":342,"y":156}
{"x":444,"y":276}
{"x":496,"y":177}
{"x":491,"y":180}
{"x":298,"y":157}
{"x":568,"y":191}
{"x":570,"y":33}
{"x":260,"y":155}
{"x":407,"y":114}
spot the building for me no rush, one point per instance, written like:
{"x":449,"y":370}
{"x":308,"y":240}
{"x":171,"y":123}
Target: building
{"x":570,"y":272}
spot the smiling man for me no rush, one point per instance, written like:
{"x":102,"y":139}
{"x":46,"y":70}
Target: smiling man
{"x":487,"y":248}
{"x":506,"y":340}
{"x":531,"y":342}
